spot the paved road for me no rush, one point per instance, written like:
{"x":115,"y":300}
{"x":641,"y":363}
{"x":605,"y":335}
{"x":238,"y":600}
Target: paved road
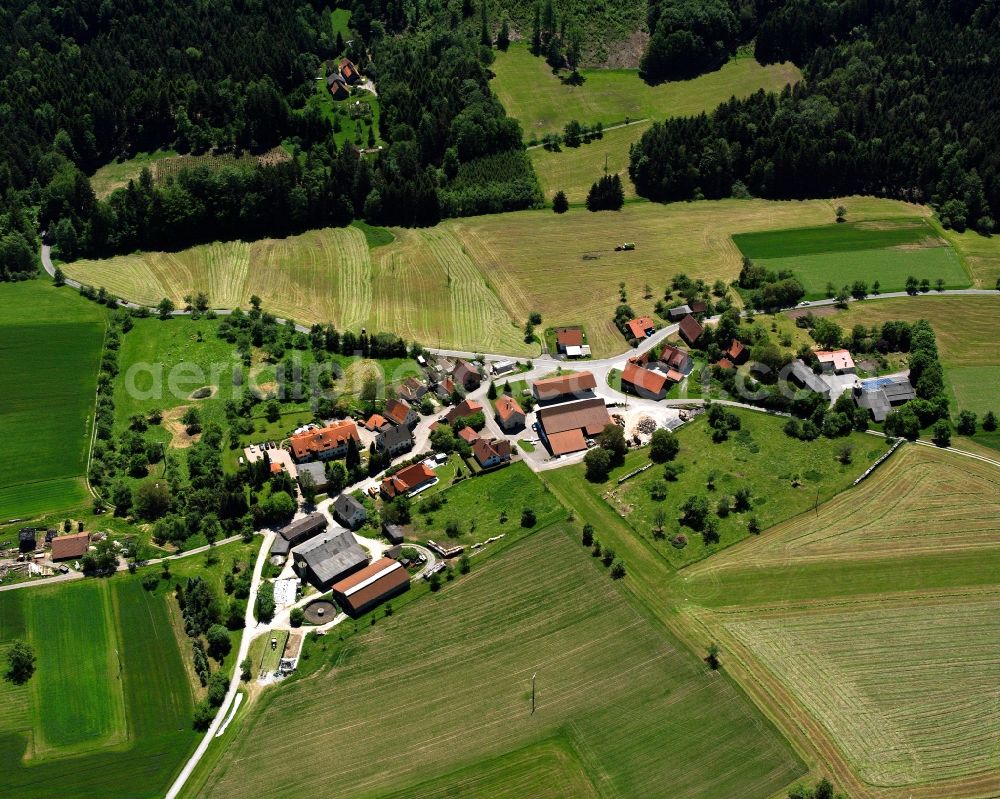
{"x":252,"y":631}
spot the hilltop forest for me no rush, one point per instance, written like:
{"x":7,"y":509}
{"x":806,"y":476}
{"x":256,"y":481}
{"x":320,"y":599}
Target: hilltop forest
{"x":899,"y":100}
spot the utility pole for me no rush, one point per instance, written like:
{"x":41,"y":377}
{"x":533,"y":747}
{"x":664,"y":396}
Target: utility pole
{"x":533,"y":694}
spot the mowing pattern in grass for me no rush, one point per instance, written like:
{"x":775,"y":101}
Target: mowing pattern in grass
{"x":565,"y":267}
{"x":889,"y":251}
{"x":50,"y":346}
{"x":108,"y":667}
{"x":607,"y":680}
{"x":542,"y":103}
{"x":77,"y":696}
{"x":908,"y":690}
{"x":965,"y":328}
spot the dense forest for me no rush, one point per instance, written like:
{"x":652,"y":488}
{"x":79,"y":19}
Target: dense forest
{"x":87,"y":82}
{"x":899,"y":100}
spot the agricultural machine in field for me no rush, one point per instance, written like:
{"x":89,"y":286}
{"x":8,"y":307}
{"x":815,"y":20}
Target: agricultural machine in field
{"x":628,"y":245}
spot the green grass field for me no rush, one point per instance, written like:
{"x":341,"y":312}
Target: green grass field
{"x":50,"y":347}
{"x":760,"y":456}
{"x":542,"y":103}
{"x":476,"y":505}
{"x":613,"y":694}
{"x":887,"y":251}
{"x":108,"y":711}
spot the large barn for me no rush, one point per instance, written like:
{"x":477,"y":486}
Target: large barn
{"x":565,"y":428}
{"x":371,"y":586}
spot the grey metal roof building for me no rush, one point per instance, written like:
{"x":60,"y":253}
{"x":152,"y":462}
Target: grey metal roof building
{"x":880,"y":401}
{"x":298,"y":531}
{"x":328,"y":558}
{"x":803,"y":376}
{"x":348,"y":510}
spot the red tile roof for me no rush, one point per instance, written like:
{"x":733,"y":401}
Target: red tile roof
{"x":468,"y":434}
{"x":375,"y":422}
{"x":407,"y":479}
{"x":567,"y":441}
{"x":646,"y":379}
{"x":640,"y":325}
{"x":735,"y":349}
{"x":70,"y":546}
{"x":484,"y":450}
{"x":506,"y":406}
{"x":396,"y":410}
{"x":569,"y":337}
{"x":463,"y":410}
{"x":276,"y":468}
{"x":314,"y":442}
{"x":383,"y":578}
{"x":572,"y":383}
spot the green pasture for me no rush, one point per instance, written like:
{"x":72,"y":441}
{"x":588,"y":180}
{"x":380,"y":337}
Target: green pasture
{"x":786,"y":477}
{"x":339,"y":21}
{"x":50,"y":348}
{"x":844,"y":237}
{"x":108,"y":710}
{"x":974,"y":388}
{"x":542,"y":103}
{"x":476,"y":505}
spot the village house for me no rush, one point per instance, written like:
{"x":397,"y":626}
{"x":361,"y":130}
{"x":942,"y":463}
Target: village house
{"x":325,"y":559}
{"x":804,"y":377}
{"x":67,"y":547}
{"x":571,"y":385}
{"x":676,"y":358}
{"x":349,"y":512}
{"x":468,"y":435}
{"x":377,"y":422}
{"x":399,"y":412}
{"x":368,"y":588}
{"x":641,"y":327}
{"x":880,"y":395}
{"x":444,"y":389}
{"x":298,"y":531}
{"x":394,"y":440}
{"x":510,"y":415}
{"x":407,"y":481}
{"x":393,"y":533}
{"x":467,"y":376}
{"x":678,"y":312}
{"x":325,"y":442}
{"x":644,"y":382}
{"x":463,"y":410}
{"x":412,"y":390}
{"x":837,"y":362}
{"x":568,"y":337}
{"x":690,"y":330}
{"x":492,"y":452}
{"x":565,"y":428}
{"x":736,"y":353}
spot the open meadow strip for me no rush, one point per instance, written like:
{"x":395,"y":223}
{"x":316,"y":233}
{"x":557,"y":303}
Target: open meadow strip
{"x":410,"y":291}
{"x":907,"y":689}
{"x":348,"y":250}
{"x":228,"y":267}
{"x":77,"y":690}
{"x":460,"y":663}
{"x":50,"y":348}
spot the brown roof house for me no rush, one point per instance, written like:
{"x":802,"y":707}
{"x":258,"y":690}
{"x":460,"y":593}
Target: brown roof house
{"x":641,"y":327}
{"x":491,"y":453}
{"x":510,"y":415}
{"x":337,"y":86}
{"x":565,"y":428}
{"x":568,"y":337}
{"x":566,"y":386}
{"x":65,"y":547}
{"x":467,"y":376}
{"x":399,"y":412}
{"x":408,"y":480}
{"x":737,"y":352}
{"x":644,"y":382}
{"x":676,"y":358}
{"x":463,"y":410}
{"x":349,"y":71}
{"x":376,"y":422}
{"x":468,"y":435}
{"x":412,"y":390}
{"x":371,"y":586}
{"x":326,"y":442}
{"x":690,"y":329}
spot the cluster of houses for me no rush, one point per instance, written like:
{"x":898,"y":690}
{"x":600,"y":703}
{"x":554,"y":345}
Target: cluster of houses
{"x":333,"y":560}
{"x":652,"y":376}
{"x":569,"y":414}
{"x":62,"y":547}
{"x":340,"y":77}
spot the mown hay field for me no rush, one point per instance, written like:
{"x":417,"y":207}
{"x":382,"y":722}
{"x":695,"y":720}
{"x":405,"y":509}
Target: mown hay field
{"x":50,"y":348}
{"x":542,"y":103}
{"x":624,"y":704}
{"x":965,"y":328}
{"x":108,"y":710}
{"x":906,"y":688}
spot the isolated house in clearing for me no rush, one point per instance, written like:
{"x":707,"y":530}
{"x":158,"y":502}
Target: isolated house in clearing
{"x":337,"y":86}
{"x":349,"y":71}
